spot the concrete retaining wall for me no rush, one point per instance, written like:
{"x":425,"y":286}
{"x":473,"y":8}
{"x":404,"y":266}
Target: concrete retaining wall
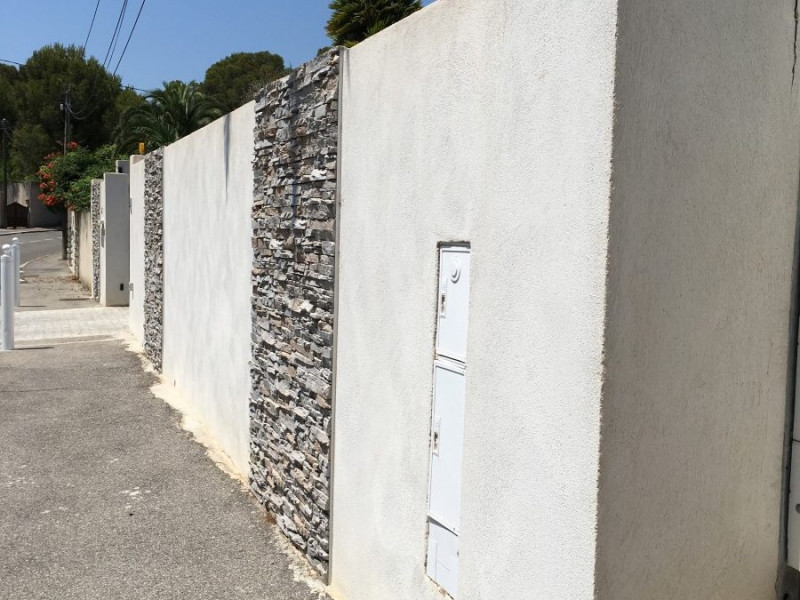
{"x":488,"y":123}
{"x":85,"y":264}
{"x":208,"y":256}
{"x":702,"y":236}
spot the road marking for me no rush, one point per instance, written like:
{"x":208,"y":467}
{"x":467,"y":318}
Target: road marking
{"x":37,"y":241}
{"x":22,"y":267}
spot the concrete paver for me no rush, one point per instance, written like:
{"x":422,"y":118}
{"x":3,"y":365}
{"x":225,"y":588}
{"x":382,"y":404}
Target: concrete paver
{"x":73,"y":323}
{"x":104,"y":497}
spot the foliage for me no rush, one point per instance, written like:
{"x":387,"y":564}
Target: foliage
{"x":43,"y":81}
{"x":166,"y":116}
{"x":235,"y":79}
{"x":353,"y":21}
{"x":8,"y":77}
{"x":38,"y":89}
{"x":65,"y":180}
{"x":29,"y":143}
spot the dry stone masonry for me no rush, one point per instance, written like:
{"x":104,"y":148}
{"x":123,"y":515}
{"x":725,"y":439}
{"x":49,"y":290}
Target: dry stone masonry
{"x":95,"y":212}
{"x":73,"y":248}
{"x":154,"y":257}
{"x":294,"y":214}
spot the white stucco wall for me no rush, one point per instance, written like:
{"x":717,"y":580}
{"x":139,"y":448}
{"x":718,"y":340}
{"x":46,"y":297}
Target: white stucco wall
{"x":136,"y":311}
{"x":85,"y":245}
{"x":702,"y":231}
{"x":208,"y":195}
{"x":115,"y":244}
{"x":488,"y":122}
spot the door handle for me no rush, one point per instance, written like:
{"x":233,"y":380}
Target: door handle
{"x":436,"y":435}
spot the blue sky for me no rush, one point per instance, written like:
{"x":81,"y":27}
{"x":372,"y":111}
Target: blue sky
{"x":173,"y":40}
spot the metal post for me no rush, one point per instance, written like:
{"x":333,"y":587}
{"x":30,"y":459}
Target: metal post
{"x":4,"y":204}
{"x":15,"y":252}
{"x":7,"y":299}
{"x":65,"y":225}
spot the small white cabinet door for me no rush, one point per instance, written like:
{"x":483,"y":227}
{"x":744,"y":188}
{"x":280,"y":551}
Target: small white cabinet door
{"x":442,"y":564}
{"x":793,"y":534}
{"x":451,"y":336}
{"x":447,"y":444}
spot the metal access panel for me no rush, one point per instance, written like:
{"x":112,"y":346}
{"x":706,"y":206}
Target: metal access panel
{"x":447,"y":444}
{"x":451,"y":332}
{"x":443,"y":557}
{"x":793,"y":524}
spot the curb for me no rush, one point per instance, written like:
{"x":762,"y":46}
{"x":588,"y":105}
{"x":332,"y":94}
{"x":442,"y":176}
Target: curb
{"x":4,"y":232}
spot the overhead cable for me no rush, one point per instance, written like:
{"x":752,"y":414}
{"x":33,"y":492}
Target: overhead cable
{"x":130,"y":35}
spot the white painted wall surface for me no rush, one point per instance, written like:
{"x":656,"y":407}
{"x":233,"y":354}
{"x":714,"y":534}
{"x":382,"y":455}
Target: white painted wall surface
{"x":136,"y":298}
{"x":85,"y":248}
{"x":208,"y":195}
{"x":115,"y":247}
{"x":490,"y":122}
{"x":702,"y":230}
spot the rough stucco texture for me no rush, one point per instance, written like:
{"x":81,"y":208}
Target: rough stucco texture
{"x":292,"y":282}
{"x":487,"y":122}
{"x":85,"y":250}
{"x":208,"y":196}
{"x":154,"y":258}
{"x":701,"y":247}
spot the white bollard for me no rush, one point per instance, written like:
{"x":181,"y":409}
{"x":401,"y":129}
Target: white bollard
{"x":5,"y":249}
{"x":15,"y":253}
{"x":7,"y":299}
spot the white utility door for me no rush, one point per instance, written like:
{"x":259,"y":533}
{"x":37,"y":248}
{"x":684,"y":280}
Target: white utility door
{"x":447,"y":444}
{"x":443,"y":557}
{"x":451,"y":333}
{"x":447,"y":424}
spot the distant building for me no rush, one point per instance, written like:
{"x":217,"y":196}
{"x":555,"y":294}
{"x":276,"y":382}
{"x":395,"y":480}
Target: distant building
{"x":26,"y":210}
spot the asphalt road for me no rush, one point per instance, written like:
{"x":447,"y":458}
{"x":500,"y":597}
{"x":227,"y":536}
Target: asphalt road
{"x":33,"y":244}
{"x":104,"y":496}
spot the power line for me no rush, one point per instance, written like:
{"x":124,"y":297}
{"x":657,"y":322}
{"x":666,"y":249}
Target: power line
{"x":13,"y":62}
{"x":130,"y":35}
{"x":116,"y":32}
{"x":91,"y":26}
{"x":130,"y":87}
{"x":109,"y":51}
{"x":119,"y":33}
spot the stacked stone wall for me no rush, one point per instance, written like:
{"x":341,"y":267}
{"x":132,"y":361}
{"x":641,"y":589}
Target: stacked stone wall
{"x":96,"y":232}
{"x":74,"y":225}
{"x":154,"y":258}
{"x":294,"y":244}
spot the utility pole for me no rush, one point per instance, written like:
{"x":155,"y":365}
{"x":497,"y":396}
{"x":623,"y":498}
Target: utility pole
{"x":4,"y":206}
{"x":67,"y":106}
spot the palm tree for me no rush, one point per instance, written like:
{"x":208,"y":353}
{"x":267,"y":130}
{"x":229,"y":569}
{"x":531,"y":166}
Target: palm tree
{"x":353,"y":21}
{"x":166,"y":116}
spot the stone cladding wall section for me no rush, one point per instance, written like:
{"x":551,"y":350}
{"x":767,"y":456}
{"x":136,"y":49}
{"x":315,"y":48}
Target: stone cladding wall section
{"x":74,"y":224}
{"x":294,"y":213}
{"x":154,"y":258}
{"x":96,"y":232}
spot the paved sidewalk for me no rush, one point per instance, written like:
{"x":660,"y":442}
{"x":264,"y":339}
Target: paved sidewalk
{"x":104,"y":497}
{"x":48,"y":285}
{"x":71,"y":324}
